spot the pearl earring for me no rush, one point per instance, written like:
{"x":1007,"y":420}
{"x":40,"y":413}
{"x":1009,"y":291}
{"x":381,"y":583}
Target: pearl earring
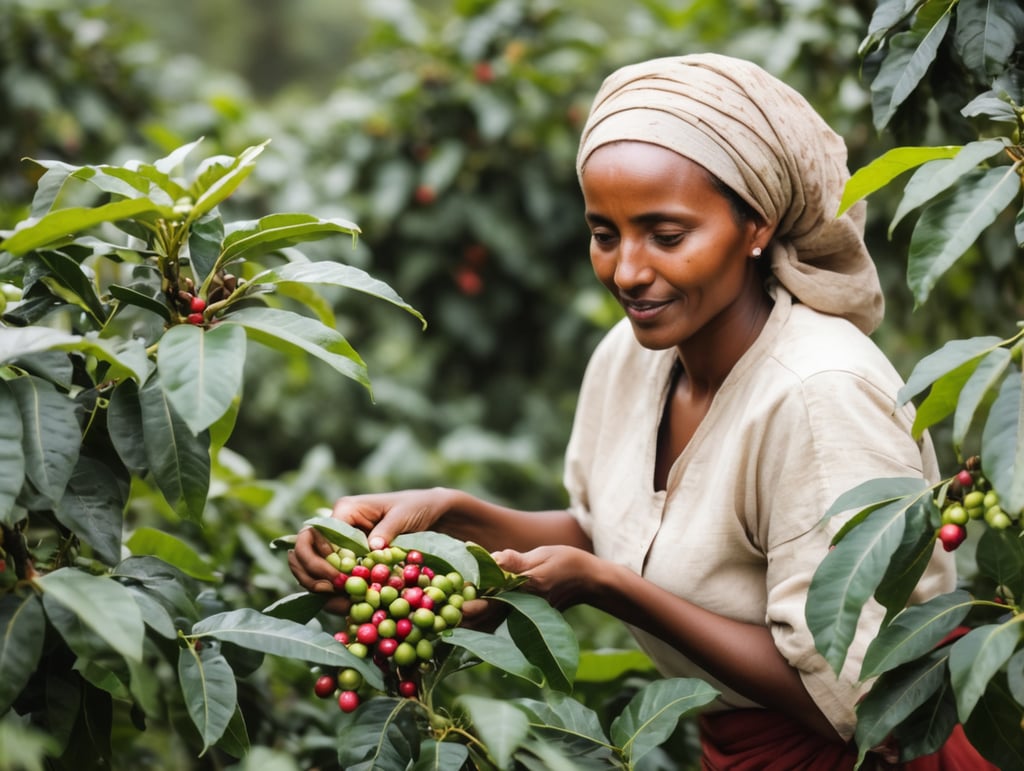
{"x":756,"y":252}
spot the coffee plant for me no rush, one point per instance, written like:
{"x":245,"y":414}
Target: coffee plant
{"x":958,"y":658}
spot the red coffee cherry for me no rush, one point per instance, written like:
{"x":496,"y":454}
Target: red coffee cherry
{"x":348,"y":701}
{"x":952,"y":536}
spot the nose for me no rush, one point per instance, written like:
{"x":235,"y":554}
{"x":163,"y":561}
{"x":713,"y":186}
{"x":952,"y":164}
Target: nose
{"x":632,"y":266}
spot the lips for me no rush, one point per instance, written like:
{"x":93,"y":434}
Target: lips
{"x":643,"y":309}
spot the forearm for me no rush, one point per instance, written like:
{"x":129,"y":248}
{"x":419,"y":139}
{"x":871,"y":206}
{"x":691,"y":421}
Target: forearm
{"x":498,"y":527}
{"x":740,"y":655}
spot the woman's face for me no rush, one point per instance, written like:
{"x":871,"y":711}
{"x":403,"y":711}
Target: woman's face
{"x":668,"y":245}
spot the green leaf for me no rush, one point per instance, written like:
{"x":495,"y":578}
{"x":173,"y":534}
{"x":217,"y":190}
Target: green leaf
{"x":251,"y":629}
{"x":874,"y":493}
{"x":204,"y":243}
{"x":442,"y":553}
{"x":178,"y":459}
{"x":381,"y":734}
{"x":125,"y":356}
{"x":979,"y":385}
{"x":994,"y":727}
{"x":277,"y":231}
{"x":128,"y":296}
{"x":235,"y":739}
{"x":78,"y":288}
{"x":223,"y":182}
{"x":910,"y":55}
{"x":501,"y":727}
{"x":909,"y":561}
{"x":493,"y":579}
{"x":435,"y":756}
{"x":340,"y":533}
{"x":987,"y":33}
{"x":895,"y":696}
{"x":211,"y":694}
{"x":154,"y":614}
{"x":938,"y":176}
{"x":290,"y":332}
{"x":952,"y":355}
{"x":976,"y":657}
{"x":914,"y":632}
{"x":1000,"y":556}
{"x":92,"y":508}
{"x":22,"y":630}
{"x":124,"y":424}
{"x":950,"y":225}
{"x":174,"y":159}
{"x":51,"y":438}
{"x":496,"y":650}
{"x":943,"y":398}
{"x":12,"y":458}
{"x":928,"y":727}
{"x":1002,"y":448}
{"x":849,"y":576}
{"x":147,"y":541}
{"x":102,"y":604}
{"x":564,"y":720}
{"x":57,"y":226}
{"x":201,"y":371}
{"x":654,"y":713}
{"x":608,"y":665}
{"x":544,"y":637}
{"x":339,"y":275}
{"x":885,"y":168}
{"x":300,"y":607}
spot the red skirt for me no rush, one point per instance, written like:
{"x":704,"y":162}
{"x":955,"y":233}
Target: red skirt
{"x":762,"y":740}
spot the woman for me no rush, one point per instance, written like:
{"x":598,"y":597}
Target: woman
{"x":721,"y":418}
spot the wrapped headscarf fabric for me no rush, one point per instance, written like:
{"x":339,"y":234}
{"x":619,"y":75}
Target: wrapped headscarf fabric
{"x":765,"y":141}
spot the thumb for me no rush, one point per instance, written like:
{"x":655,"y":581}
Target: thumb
{"x":509,"y":560}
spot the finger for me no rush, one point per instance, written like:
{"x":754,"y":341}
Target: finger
{"x":322,"y":546}
{"x":339,"y":605}
{"x":306,"y":579}
{"x":356,"y":513}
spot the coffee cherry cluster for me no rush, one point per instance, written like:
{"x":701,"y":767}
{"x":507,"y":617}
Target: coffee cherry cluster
{"x":399,"y":607}
{"x":969,"y":495}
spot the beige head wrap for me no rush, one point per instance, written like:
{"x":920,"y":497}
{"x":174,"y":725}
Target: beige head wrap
{"x":763,"y":140}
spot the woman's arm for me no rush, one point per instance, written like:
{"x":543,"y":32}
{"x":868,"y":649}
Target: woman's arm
{"x":740,"y":655}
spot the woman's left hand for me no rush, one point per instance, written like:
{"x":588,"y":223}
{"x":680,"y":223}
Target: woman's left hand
{"x":560,"y":574}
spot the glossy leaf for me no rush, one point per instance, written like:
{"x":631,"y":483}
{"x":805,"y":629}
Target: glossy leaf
{"x":501,"y":727}
{"x":225,"y":182}
{"x":439,"y":756}
{"x":910,"y":56}
{"x":653,"y":714}
{"x":544,"y":637}
{"x":564,"y":717}
{"x":952,"y":355}
{"x":154,"y":614}
{"x":300,"y":607}
{"x":937,"y":176}
{"x":204,"y":243}
{"x":339,"y":275}
{"x":211,"y":694}
{"x":22,"y":630}
{"x":277,"y":231}
{"x":441,"y":551}
{"x":339,"y":533}
{"x":178,"y":459}
{"x":12,"y":458}
{"x":129,"y":296}
{"x":875,"y":492}
{"x":78,"y":288}
{"x":58,"y":225}
{"x":1002,"y":447}
{"x":102,"y":604}
{"x":148,"y":541}
{"x":606,"y":665}
{"x":127,"y":356}
{"x":381,"y":734}
{"x":493,"y":578}
{"x":92,"y":508}
{"x":895,"y":696}
{"x":885,"y":168}
{"x":848,"y":577}
{"x":235,"y":739}
{"x":943,"y":397}
{"x":950,"y":225}
{"x":909,"y":561}
{"x":1000,"y":556}
{"x":928,"y":727}
{"x":290,"y":332}
{"x":278,"y":637}
{"x":987,"y":33}
{"x":124,"y":424}
{"x":994,"y":727}
{"x":979,"y":386}
{"x":201,"y":371}
{"x":914,"y":632}
{"x":51,"y":437}
{"x":975,"y":658}
{"x":496,"y":650}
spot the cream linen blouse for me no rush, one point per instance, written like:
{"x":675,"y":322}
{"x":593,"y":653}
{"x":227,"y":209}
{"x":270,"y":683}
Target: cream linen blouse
{"x":806,"y":414}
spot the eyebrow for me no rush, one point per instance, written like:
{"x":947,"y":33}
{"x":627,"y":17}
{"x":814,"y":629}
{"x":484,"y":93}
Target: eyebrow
{"x":649,"y":218}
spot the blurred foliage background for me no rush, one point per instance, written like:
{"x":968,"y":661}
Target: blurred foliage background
{"x":447,"y":130}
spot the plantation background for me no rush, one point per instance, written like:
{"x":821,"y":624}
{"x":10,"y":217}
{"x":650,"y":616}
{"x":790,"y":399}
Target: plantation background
{"x":447,"y":131}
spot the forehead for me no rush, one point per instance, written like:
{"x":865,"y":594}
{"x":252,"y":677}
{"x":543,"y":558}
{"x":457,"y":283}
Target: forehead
{"x":630,"y":170}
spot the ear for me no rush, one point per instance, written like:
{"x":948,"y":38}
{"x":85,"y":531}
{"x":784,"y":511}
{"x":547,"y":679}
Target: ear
{"x":760,"y":235}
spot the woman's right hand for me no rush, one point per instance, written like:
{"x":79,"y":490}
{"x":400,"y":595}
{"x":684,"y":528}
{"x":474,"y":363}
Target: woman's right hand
{"x":383,"y":516}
